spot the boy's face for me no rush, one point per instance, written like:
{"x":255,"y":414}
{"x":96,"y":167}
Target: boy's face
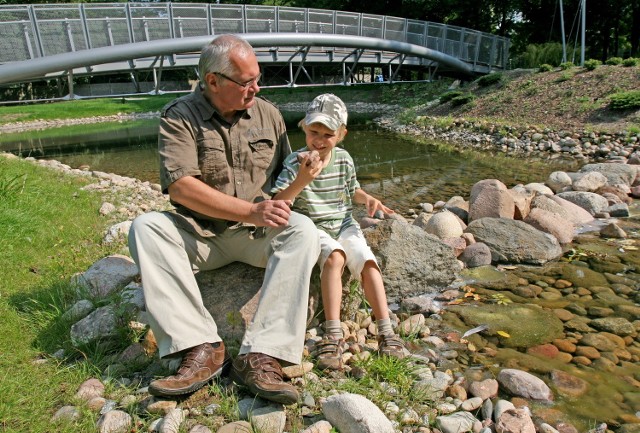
{"x":322,"y":139}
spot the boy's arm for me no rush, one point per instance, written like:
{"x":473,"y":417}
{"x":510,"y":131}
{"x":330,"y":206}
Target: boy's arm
{"x":371,"y":203}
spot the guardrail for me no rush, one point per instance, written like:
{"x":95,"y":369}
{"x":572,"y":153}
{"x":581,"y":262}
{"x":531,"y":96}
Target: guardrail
{"x":40,"y":30}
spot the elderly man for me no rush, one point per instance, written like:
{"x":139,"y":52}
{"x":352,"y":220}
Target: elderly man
{"x":221,"y":149}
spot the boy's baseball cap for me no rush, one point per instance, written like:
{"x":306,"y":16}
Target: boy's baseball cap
{"x":327,"y":109}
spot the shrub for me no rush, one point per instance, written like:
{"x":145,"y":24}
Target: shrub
{"x":488,"y":80}
{"x":545,"y":67}
{"x":462,"y":99}
{"x":448,"y":96}
{"x":630,"y":62}
{"x":566,"y":65}
{"x":538,"y":54}
{"x":613,"y":61}
{"x":591,"y":64}
{"x":565,"y":76}
{"x":625,"y":100}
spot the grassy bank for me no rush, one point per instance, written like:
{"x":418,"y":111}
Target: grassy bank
{"x":49,"y":230}
{"x":406,"y":94}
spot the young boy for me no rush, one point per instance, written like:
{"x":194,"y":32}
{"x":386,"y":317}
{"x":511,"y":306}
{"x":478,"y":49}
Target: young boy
{"x":321,"y":181}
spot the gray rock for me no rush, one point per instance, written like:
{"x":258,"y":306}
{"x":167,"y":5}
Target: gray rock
{"x":456,"y":423}
{"x":107,"y":275}
{"x":100,"y":323}
{"x":523,"y":384}
{"x":591,"y":202}
{"x":353,"y":413}
{"x":444,"y":224}
{"x":513,"y":241}
{"x":268,"y":419}
{"x":615,"y":173}
{"x":115,"y":421}
{"x":589,"y":181}
{"x":78,"y":311}
{"x":413,"y":262}
{"x":558,"y":180}
{"x":475,"y":255}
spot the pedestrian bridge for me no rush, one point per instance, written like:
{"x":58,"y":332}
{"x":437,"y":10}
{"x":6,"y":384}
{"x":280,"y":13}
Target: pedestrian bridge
{"x":62,"y":41}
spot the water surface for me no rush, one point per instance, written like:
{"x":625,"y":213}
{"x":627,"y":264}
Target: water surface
{"x":402,"y":171}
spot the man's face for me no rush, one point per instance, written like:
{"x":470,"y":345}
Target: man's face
{"x":234,"y":92}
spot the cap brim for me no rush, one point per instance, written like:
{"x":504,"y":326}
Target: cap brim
{"x":327,"y":121}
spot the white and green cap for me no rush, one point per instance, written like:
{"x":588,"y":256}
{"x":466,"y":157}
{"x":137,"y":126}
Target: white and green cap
{"x":327,"y":109}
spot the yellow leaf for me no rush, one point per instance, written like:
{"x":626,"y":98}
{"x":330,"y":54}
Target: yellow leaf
{"x":503,"y":334}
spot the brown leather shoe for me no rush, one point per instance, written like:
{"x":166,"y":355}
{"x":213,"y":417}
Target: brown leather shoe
{"x":262,"y":374}
{"x":199,"y":365}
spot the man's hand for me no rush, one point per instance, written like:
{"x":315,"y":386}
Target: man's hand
{"x":270,"y":213}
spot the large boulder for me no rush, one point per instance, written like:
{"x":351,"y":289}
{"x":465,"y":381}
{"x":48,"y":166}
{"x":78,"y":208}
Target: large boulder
{"x":513,"y":241}
{"x":490,"y":198}
{"x":551,"y":223}
{"x":412,"y":261}
{"x":563,"y":208}
{"x":616,"y":174}
{"x":592,"y":202}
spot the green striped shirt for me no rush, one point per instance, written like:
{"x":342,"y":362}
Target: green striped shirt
{"x":328,"y":199}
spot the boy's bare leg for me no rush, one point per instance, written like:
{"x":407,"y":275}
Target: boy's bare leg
{"x":374,"y":290}
{"x":331,"y":285}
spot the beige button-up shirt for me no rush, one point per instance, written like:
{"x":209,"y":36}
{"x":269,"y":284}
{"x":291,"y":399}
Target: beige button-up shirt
{"x":242,"y":158}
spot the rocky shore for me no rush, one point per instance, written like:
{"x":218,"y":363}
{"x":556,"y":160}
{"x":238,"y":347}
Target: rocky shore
{"x":534,"y":308}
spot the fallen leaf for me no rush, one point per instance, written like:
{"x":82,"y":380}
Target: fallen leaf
{"x":503,"y":334}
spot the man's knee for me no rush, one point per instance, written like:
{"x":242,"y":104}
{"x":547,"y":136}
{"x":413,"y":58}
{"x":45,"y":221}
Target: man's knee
{"x":304,"y":229}
{"x":145,"y":225}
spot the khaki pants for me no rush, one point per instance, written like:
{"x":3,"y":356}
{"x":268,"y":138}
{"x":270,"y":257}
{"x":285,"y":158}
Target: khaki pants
{"x":167,"y":256}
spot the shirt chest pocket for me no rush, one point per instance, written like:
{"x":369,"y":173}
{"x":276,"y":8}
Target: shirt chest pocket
{"x":212,"y":159}
{"x":262,"y":152}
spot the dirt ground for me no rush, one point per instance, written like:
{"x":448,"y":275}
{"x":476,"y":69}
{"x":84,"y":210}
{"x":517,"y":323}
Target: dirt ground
{"x":573,"y":99}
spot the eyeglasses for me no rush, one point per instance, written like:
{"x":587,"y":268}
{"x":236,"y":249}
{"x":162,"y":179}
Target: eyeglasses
{"x":244,"y":85}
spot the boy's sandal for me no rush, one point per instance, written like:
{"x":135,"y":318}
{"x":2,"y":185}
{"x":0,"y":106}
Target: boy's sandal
{"x":391,"y":345}
{"x":328,"y":353}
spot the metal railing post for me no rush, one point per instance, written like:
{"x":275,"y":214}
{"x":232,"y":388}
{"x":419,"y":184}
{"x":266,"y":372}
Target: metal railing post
{"x":244,"y":18}
{"x":25,"y":30}
{"x":85,"y":26}
{"x":67,"y":28}
{"x":127,"y":11}
{"x":209,"y":19}
{"x":172,"y":33}
{"x":36,"y":29}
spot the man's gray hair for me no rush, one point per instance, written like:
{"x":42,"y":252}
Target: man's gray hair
{"x":216,"y":54}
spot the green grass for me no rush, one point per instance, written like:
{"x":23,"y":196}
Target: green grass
{"x":49,"y":230}
{"x":82,"y":108}
{"x":406,"y":94}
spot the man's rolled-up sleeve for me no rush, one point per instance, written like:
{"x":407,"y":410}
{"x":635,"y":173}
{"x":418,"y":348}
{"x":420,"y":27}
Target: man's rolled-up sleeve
{"x":177,"y":150}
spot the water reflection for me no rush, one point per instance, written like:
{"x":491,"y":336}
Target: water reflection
{"x":400,"y":170}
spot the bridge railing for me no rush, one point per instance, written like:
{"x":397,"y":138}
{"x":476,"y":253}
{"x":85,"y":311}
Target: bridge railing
{"x":37,"y":30}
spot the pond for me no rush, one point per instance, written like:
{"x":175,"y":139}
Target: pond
{"x":401,"y":171}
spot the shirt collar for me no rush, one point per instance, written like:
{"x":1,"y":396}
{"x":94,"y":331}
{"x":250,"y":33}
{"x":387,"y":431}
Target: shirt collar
{"x":207,"y":110}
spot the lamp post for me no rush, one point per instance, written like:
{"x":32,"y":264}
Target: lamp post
{"x":582,"y":31}
{"x":564,"y":41}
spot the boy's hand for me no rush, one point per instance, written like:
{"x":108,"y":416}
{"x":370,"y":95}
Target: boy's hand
{"x":373,"y":205}
{"x":309,"y":158}
{"x":310,"y":166}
